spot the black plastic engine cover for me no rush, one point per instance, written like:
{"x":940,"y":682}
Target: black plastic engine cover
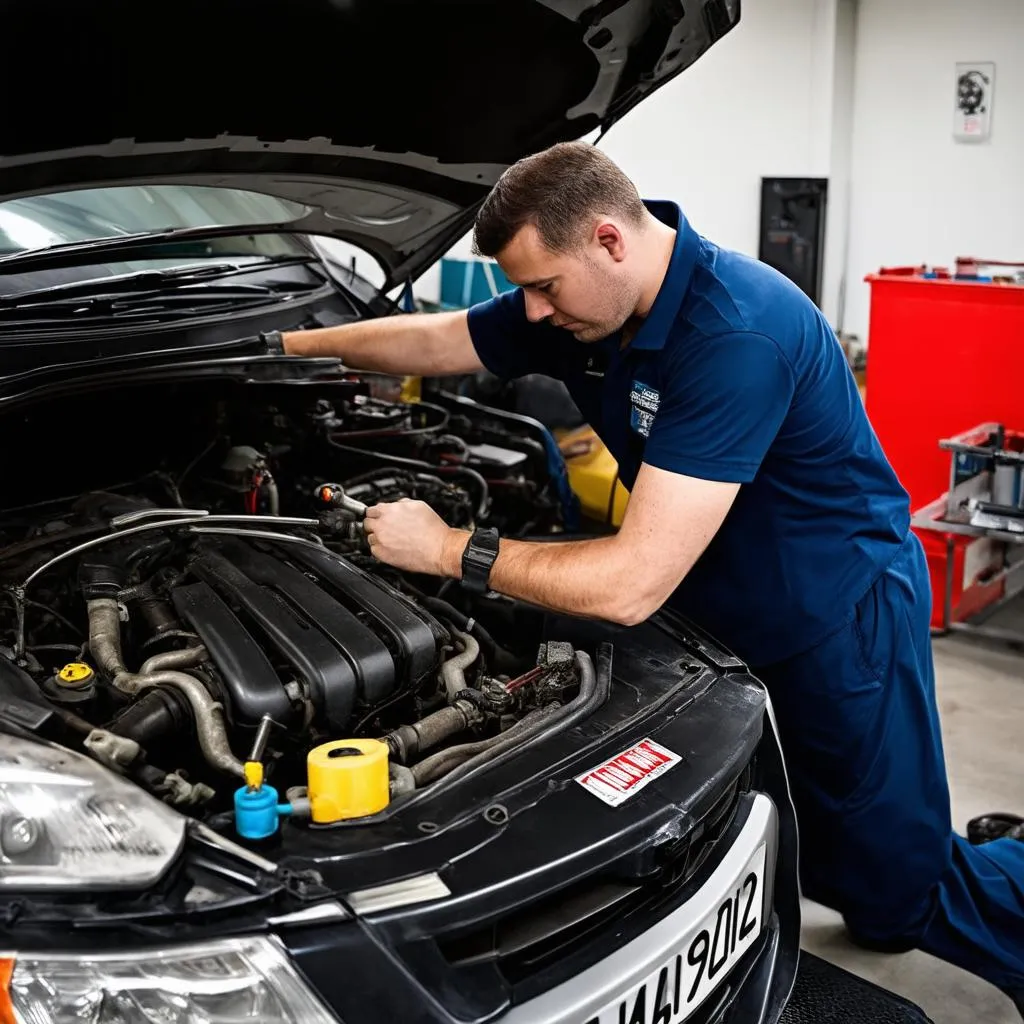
{"x":248,"y":676}
{"x":413,"y":634}
{"x":266,"y":620}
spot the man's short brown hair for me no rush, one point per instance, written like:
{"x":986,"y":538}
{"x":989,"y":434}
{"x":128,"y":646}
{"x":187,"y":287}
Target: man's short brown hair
{"x":558,"y":191}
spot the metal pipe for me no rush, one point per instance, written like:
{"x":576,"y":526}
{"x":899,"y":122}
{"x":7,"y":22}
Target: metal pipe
{"x":129,"y":518}
{"x":161,"y":525}
{"x":273,"y":496}
{"x":162,"y":670}
{"x":187,"y":657}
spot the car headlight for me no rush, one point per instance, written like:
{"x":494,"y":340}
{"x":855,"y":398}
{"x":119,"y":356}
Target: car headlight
{"x":222,"y":982}
{"x":68,"y":822}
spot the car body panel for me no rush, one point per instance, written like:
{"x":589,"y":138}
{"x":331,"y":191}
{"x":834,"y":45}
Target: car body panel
{"x":286,"y":99}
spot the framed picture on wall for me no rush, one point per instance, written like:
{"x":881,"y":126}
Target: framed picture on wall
{"x":975,"y":86}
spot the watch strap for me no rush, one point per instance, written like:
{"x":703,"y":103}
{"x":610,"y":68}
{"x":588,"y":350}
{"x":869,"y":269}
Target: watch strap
{"x":478,"y":558}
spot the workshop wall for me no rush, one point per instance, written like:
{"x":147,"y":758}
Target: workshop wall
{"x":917,"y":195}
{"x":745,"y":109}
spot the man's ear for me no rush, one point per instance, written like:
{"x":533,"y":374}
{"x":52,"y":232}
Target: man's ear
{"x":610,"y":238}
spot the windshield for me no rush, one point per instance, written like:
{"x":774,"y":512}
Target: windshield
{"x":40,"y":222}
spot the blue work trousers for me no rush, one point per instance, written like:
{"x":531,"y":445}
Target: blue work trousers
{"x":860,"y":731}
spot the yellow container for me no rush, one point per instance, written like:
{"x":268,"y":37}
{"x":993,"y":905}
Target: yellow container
{"x":412,"y":389}
{"x":347,"y":779}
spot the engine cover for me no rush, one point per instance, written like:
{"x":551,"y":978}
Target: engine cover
{"x":273,"y":614}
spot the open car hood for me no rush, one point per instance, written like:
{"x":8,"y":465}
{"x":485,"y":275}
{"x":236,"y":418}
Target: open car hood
{"x":385,"y":121}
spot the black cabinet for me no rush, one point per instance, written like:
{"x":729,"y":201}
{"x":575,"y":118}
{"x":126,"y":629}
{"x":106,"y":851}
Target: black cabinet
{"x":792,"y":236}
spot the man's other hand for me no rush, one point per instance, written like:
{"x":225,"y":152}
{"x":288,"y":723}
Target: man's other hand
{"x":410,"y":535}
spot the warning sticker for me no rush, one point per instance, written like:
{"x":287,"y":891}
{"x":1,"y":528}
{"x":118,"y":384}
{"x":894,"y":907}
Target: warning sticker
{"x":627,"y":773}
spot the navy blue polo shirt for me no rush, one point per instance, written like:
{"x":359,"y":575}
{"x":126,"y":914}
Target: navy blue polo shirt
{"x":734,"y":375}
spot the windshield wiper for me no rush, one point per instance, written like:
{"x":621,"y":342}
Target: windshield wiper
{"x":68,"y":254}
{"x":143,"y":282}
{"x":150,"y":306}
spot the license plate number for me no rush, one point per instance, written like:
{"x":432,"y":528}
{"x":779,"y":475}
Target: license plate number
{"x":705,"y":955}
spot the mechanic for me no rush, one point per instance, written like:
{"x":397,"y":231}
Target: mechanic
{"x":762,"y":507}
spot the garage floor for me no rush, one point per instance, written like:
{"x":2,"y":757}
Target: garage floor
{"x":981,"y":693}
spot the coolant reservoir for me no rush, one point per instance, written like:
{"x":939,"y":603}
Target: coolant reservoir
{"x":347,"y":779}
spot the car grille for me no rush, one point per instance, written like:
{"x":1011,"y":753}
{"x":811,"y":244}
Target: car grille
{"x":543,"y":937}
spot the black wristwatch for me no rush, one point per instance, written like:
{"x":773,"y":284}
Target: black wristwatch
{"x":477,"y":559}
{"x":273,"y":343}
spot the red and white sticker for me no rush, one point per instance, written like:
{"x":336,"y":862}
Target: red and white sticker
{"x":627,"y":773}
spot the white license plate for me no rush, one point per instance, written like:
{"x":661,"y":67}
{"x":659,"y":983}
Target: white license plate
{"x":704,"y":957}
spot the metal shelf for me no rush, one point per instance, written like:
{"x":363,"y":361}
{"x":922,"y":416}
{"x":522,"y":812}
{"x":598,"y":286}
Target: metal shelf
{"x":981,"y":470}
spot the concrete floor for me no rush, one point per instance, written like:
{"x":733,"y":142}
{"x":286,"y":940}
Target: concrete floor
{"x":981,"y":694}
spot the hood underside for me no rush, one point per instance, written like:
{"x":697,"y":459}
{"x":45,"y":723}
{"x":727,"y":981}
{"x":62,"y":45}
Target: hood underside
{"x":387,"y":121}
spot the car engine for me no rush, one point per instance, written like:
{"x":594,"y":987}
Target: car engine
{"x":185,"y":575}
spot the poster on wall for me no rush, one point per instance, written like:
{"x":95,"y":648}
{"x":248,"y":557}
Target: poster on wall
{"x":975,"y":83}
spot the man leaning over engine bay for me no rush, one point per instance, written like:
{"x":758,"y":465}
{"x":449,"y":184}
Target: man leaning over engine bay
{"x":761,"y":507}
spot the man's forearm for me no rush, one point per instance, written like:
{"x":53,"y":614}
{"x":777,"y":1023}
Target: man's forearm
{"x":370,"y":345}
{"x":420,"y":344}
{"x":586,"y":578}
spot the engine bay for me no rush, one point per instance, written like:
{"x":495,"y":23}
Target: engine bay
{"x":188,"y":590}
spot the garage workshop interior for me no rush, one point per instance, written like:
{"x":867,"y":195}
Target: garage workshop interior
{"x":252,"y":768}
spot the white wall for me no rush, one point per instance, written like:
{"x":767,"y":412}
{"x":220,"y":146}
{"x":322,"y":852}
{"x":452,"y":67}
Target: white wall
{"x":837,"y":219}
{"x":744,"y":110}
{"x":918,"y":196}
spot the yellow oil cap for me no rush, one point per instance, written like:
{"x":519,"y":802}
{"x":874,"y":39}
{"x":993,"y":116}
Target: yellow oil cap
{"x":347,"y":779}
{"x":75,"y":674}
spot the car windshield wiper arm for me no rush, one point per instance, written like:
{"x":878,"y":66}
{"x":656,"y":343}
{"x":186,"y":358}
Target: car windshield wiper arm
{"x":145,"y":282}
{"x":128,"y":307}
{"x":69,"y":254}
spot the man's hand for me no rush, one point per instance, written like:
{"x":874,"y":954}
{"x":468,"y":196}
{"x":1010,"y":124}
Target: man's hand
{"x":410,"y":535}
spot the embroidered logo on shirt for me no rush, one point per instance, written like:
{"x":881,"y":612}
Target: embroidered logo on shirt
{"x":644,"y":402}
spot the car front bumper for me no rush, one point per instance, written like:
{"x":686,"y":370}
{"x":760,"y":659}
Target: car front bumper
{"x":399,"y":965}
{"x":655,"y":973}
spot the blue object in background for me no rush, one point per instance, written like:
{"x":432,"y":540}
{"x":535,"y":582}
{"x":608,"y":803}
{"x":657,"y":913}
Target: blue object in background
{"x":467,"y":282}
{"x":257,"y":812}
{"x":408,"y":299}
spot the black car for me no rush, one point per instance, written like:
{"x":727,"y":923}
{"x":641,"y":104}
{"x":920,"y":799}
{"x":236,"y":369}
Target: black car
{"x":246,"y":771}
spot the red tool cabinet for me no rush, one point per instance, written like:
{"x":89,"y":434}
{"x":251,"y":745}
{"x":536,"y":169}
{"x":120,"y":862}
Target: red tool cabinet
{"x":943,"y":355}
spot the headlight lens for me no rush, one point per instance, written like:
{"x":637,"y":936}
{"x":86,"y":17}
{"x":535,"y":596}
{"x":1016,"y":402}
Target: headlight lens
{"x":232,"y":981}
{"x":68,"y":822}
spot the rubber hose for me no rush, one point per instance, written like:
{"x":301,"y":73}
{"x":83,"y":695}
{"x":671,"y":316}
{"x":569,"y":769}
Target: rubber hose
{"x":595,"y":688}
{"x":453,"y":671}
{"x":401,"y":779}
{"x":436,"y":765}
{"x":499,"y":658}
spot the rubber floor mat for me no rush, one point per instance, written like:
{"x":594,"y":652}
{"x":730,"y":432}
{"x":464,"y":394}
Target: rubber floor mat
{"x":826,"y":994}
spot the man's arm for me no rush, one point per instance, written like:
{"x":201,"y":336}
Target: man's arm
{"x":720,"y":412}
{"x":422,"y":344}
{"x":623,"y":578}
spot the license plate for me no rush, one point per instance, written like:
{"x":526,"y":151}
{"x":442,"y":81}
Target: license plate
{"x":706,"y":953}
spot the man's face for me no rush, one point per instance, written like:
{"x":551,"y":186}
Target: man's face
{"x":589,"y":291}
